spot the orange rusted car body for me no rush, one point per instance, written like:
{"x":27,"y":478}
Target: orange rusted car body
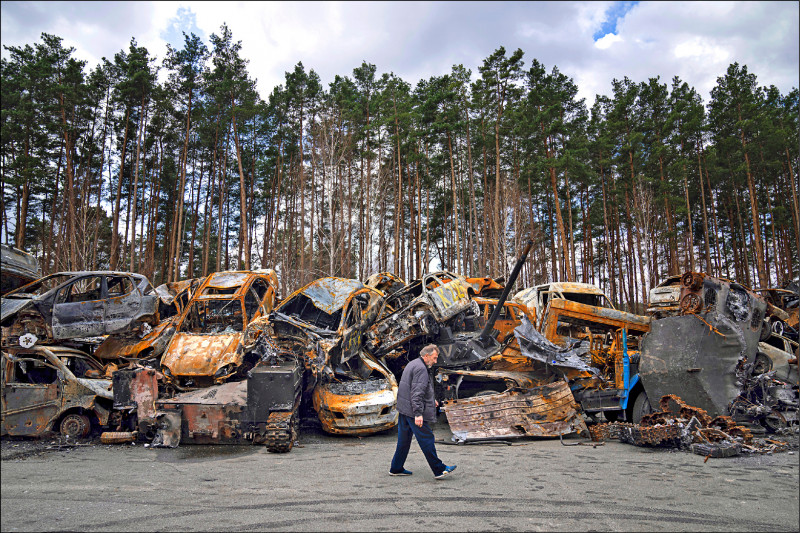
{"x":566,"y":319}
{"x":223,"y":319}
{"x":509,"y":319}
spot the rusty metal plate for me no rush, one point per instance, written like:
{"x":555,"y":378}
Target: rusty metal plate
{"x":546,"y":411}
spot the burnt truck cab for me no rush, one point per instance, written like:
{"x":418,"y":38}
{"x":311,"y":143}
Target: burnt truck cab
{"x":70,"y":305}
{"x":50,"y":389}
{"x":323,"y":323}
{"x":219,"y":325}
{"x":537,"y":298}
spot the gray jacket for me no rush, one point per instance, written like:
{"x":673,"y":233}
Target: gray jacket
{"x":415,"y":393}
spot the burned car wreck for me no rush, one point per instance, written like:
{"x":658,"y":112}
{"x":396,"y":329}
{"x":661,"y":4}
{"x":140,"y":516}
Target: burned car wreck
{"x":148,"y":343}
{"x":436,"y":305}
{"x":50,"y":389}
{"x":70,"y":305}
{"x":323,"y":323}
{"x":217,"y":331}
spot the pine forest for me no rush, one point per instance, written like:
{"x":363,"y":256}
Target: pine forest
{"x":110,"y":168}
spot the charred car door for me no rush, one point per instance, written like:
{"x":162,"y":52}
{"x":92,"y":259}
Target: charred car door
{"x":122,"y":304}
{"x":352,"y":327}
{"x":79,"y":309}
{"x":31,"y":395}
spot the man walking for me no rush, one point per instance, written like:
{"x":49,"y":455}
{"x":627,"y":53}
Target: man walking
{"x":417,"y":407}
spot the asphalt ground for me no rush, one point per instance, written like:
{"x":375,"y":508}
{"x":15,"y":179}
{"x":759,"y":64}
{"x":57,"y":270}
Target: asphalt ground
{"x":342,"y":484}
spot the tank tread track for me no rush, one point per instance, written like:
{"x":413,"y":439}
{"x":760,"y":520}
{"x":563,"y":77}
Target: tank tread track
{"x":281,"y":432}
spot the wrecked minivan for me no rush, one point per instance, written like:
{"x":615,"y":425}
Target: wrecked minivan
{"x":69,"y":305}
{"x":48,"y":389}
{"x":219,"y":325}
{"x":324,"y":323}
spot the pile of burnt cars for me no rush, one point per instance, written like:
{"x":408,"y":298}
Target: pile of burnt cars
{"x":223,"y":359}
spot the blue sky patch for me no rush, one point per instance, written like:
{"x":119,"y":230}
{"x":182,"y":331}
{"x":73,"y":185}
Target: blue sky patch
{"x":613,"y":14}
{"x":184,"y":21}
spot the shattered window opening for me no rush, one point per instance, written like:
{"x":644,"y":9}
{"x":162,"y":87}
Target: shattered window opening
{"x":251,"y":304}
{"x":119,"y":286}
{"x":86,"y":289}
{"x":34,"y":371}
{"x":588,"y":299}
{"x":214,"y":317}
{"x":40,"y":287}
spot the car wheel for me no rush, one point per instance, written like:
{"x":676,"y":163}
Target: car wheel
{"x":75,"y":426}
{"x":641,"y":407}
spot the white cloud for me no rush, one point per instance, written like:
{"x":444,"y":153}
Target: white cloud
{"x":606,"y":41}
{"x":694,"y":40}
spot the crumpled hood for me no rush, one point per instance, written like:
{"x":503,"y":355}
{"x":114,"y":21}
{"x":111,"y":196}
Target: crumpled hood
{"x":201,"y":355}
{"x":11,"y":306}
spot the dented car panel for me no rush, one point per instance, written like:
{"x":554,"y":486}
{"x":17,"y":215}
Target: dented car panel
{"x":546,"y":411}
{"x":40,"y":392}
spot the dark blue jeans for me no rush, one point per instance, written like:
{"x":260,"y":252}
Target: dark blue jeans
{"x":425,"y":438}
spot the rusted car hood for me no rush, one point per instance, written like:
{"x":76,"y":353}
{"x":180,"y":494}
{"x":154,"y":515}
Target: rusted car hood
{"x":330,"y":294}
{"x":200,"y":355}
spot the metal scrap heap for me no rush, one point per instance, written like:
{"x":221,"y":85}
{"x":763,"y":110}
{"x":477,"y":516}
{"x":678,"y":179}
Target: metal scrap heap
{"x":678,"y":425}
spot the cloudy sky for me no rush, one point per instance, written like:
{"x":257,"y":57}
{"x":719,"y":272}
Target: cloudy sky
{"x":592,"y":42}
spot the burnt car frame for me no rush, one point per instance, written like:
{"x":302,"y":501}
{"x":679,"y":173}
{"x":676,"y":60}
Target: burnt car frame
{"x":218,"y":328}
{"x":323,"y":323}
{"x":48,"y":389}
{"x":69,"y":305}
{"x":420,"y":310}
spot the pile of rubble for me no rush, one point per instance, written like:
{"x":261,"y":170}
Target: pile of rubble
{"x":682,"y":426}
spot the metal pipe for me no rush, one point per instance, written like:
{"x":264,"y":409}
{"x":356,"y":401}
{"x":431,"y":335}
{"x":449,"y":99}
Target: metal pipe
{"x":486,"y":333}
